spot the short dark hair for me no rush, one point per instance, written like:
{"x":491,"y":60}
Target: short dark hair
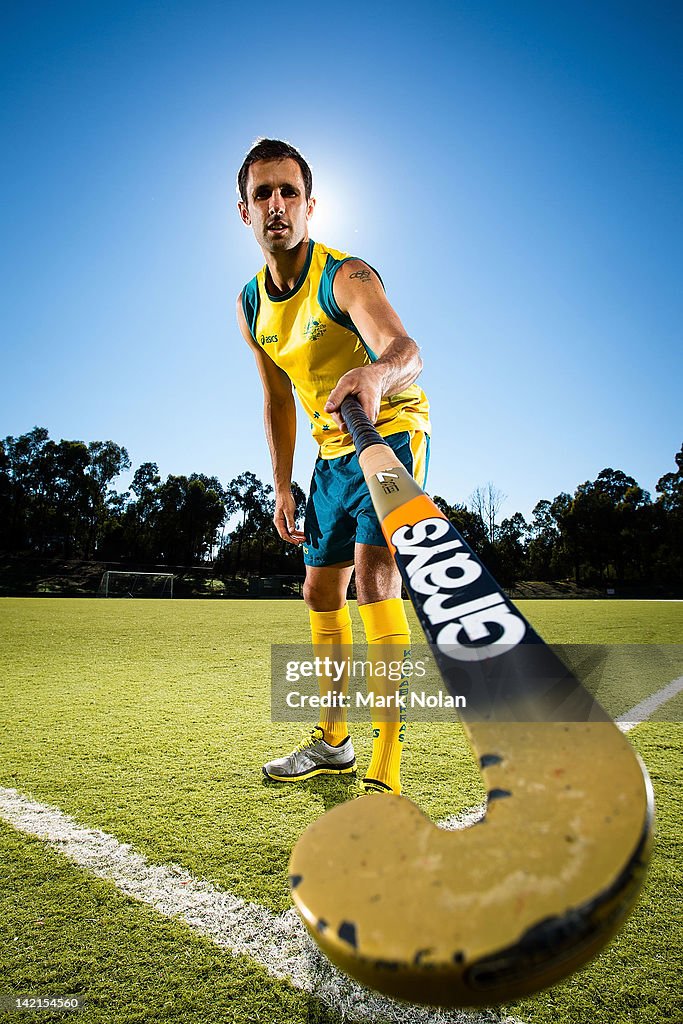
{"x":272,"y":149}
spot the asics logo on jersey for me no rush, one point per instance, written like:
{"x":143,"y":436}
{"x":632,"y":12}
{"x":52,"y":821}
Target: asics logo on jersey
{"x":268,"y":339}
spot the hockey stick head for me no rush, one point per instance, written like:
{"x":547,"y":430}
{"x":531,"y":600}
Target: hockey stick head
{"x":503,"y":908}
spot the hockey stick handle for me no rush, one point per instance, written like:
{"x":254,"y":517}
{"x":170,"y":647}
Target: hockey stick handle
{"x":363,"y":432}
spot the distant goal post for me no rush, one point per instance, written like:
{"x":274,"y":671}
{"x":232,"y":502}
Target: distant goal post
{"x":117,"y":583}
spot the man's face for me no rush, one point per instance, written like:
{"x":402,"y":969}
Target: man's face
{"x":276,"y":206}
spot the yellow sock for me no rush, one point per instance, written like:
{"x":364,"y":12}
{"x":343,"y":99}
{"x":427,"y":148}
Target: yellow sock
{"x":332,"y":629}
{"x":386,"y":627}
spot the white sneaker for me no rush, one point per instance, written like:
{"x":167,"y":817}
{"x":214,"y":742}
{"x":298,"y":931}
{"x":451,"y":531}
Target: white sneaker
{"x":313,"y":756}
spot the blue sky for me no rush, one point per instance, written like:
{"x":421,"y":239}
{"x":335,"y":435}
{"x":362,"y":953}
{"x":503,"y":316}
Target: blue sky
{"x":512,"y":169}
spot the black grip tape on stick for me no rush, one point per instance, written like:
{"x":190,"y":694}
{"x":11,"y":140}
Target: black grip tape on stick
{"x":363,"y":432}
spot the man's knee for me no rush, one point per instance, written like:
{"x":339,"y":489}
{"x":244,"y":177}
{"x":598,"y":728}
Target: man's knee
{"x":325,"y":592}
{"x":372,"y":589}
{"x":377,"y":577}
{"x":313,"y":594}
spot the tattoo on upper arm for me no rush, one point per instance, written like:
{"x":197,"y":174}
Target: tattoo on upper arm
{"x":362,"y":275}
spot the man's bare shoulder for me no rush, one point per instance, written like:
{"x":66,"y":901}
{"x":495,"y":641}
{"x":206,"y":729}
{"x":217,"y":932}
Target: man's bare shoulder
{"x":357,"y":270}
{"x":242,"y":323}
{"x":356,"y":282}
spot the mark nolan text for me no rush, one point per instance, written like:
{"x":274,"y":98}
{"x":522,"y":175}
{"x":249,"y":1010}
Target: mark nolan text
{"x":414,"y":699}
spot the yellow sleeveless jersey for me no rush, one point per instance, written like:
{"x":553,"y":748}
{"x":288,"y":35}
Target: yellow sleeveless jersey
{"x":306,"y":334}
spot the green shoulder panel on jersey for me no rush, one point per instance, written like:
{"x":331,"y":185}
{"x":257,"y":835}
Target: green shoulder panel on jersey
{"x":328,"y":303}
{"x":250,"y":305}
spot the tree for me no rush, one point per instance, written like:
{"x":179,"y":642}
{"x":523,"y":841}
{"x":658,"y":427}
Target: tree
{"x":5,"y":493}
{"x":252,"y":498}
{"x":605,"y":526}
{"x":107,"y":461}
{"x":145,"y":481}
{"x":543,"y":543}
{"x":187,"y":520}
{"x":486,"y":502}
{"x":670,"y":488}
{"x":668,"y":529}
{"x":130,"y":532}
{"x":468,"y":524}
{"x":73,"y":495}
{"x":253,"y":544}
{"x":23,"y":486}
{"x":510,"y":551}
{"x":56,"y":495}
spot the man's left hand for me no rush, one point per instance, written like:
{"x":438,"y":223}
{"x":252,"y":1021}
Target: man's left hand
{"x":366,"y":384}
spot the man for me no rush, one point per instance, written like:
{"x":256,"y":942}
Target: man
{"x":318,"y":320}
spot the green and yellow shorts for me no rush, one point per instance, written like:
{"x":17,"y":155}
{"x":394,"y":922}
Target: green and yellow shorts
{"x":339,"y":512}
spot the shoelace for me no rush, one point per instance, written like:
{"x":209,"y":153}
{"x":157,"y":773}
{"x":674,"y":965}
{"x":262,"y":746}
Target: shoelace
{"x":314,"y":736}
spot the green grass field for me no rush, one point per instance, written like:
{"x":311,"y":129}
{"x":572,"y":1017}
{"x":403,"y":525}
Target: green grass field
{"x":150,"y":720}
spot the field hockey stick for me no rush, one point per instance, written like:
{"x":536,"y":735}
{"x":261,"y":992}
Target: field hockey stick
{"x":519,"y":901}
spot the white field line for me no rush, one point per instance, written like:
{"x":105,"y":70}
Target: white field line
{"x":279,"y":943}
{"x":641,"y":711}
